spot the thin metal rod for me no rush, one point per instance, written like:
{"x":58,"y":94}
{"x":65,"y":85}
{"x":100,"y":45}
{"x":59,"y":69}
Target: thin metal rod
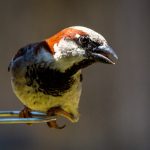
{"x":12,"y":117}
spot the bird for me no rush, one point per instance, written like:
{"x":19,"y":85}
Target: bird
{"x":46,"y":76}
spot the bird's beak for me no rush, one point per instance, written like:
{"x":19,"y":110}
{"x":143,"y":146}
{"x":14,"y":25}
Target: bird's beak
{"x":104,"y":54}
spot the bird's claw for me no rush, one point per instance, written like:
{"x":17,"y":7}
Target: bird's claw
{"x":58,"y":111}
{"x":26,"y":113}
{"x":53,"y":124}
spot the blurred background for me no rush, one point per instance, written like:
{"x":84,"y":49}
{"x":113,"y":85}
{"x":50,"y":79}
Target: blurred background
{"x":115,"y":103}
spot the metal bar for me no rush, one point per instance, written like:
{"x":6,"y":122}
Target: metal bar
{"x":12,"y":117}
{"x":24,"y":120}
{"x":16,"y":113}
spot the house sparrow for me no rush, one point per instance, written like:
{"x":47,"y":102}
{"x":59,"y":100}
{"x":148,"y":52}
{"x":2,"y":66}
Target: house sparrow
{"x":46,"y":76}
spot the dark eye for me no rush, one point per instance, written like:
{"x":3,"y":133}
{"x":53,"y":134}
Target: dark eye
{"x":83,"y":40}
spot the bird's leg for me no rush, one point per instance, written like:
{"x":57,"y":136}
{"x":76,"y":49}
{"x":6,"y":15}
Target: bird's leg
{"x":26,"y":113}
{"x":58,"y":111}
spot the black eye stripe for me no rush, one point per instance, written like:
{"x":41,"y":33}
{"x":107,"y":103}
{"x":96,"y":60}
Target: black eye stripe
{"x":86,"y":42}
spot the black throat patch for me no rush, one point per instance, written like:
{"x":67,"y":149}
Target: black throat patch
{"x":48,"y":81}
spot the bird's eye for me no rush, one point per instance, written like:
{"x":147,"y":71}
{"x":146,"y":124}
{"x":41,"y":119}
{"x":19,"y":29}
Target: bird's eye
{"x":83,"y":40}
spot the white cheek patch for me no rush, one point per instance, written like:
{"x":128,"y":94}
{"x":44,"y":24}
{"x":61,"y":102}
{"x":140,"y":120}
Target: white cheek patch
{"x":67,"y":53}
{"x":67,"y":48}
{"x":57,"y":51}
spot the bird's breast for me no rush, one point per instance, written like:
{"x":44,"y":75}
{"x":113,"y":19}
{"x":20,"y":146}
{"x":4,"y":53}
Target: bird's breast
{"x":42,"y":89}
{"x":48,"y":81}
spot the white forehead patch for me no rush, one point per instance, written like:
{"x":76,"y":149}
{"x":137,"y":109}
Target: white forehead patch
{"x":92,"y":34}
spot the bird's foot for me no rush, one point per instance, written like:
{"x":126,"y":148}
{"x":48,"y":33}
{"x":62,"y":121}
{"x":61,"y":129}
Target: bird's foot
{"x":53,"y":124}
{"x":26,"y":113}
{"x":58,"y":111}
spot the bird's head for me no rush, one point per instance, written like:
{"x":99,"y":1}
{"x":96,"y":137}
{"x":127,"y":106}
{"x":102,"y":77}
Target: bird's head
{"x":77,"y":44}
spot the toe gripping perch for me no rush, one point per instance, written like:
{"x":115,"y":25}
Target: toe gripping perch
{"x":29,"y":117}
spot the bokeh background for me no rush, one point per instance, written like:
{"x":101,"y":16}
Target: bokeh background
{"x":115,"y":103}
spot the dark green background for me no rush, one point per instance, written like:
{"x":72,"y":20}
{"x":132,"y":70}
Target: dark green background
{"x":115,"y":103}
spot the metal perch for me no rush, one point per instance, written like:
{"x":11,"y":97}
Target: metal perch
{"x":12,"y":117}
